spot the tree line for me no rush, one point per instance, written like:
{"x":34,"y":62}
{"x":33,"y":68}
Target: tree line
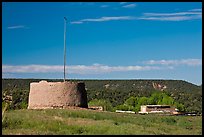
{"x":117,"y":92}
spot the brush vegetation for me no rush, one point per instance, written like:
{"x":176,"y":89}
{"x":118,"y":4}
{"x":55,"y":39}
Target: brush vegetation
{"x":115,"y":93}
{"x":111,"y":95}
{"x":90,"y":122}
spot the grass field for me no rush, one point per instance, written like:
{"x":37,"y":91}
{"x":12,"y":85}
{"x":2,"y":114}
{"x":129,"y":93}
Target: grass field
{"x":90,"y":122}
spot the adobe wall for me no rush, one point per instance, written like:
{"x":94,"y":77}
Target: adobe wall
{"x":57,"y":95}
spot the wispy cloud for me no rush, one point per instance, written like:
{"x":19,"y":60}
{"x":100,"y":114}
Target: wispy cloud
{"x":102,"y":19}
{"x":108,"y":19}
{"x":178,"y":16}
{"x":195,"y":10}
{"x":123,"y":3}
{"x":31,"y":68}
{"x":188,"y":62}
{"x":76,"y":69}
{"x":173,"y":14}
{"x":99,"y":68}
{"x":129,"y":6}
{"x":104,"y":6}
{"x":83,"y":3}
{"x":76,"y":22}
{"x":17,"y":27}
{"x":172,"y":18}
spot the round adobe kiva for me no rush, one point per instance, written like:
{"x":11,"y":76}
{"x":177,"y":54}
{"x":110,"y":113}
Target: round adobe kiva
{"x":45,"y":94}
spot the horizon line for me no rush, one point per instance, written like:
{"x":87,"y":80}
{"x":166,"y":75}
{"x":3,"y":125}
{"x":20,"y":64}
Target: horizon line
{"x":103,"y":79}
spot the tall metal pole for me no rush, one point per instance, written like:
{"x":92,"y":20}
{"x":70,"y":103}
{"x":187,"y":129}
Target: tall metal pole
{"x":65,"y":21}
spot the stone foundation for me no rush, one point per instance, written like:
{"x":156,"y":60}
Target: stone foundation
{"x":57,"y":95}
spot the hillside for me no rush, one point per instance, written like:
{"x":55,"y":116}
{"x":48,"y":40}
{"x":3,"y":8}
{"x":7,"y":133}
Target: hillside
{"x":90,"y":122}
{"x":117,"y":91}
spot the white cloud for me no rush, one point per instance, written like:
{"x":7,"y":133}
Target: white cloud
{"x":99,"y":68}
{"x":129,"y":6}
{"x":76,"y":22}
{"x":17,"y":27}
{"x":109,"y":18}
{"x":173,"y":14}
{"x":172,"y":18}
{"x":188,"y":62}
{"x":123,"y":3}
{"x":178,"y":16}
{"x":31,"y":68}
{"x":104,"y":6}
{"x":103,"y":19}
{"x":195,"y":10}
{"x":76,"y":69}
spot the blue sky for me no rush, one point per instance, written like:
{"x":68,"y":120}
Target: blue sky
{"x":105,"y":40}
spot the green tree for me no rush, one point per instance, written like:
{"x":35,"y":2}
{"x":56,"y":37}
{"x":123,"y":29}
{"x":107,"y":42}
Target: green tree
{"x":167,"y":100}
{"x":143,"y":101}
{"x":124,"y":107}
{"x":155,"y":98}
{"x":179,"y":106}
{"x":131,"y":101}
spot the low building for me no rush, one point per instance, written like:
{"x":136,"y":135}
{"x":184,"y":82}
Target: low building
{"x":146,"y":109}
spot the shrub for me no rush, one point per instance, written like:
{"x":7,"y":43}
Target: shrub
{"x":169,"y":120}
{"x":124,"y":107}
{"x":107,"y":106}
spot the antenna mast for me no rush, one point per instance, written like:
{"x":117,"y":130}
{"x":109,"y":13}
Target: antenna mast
{"x":65,"y":21}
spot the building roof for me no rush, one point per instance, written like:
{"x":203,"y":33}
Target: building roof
{"x":157,"y":105}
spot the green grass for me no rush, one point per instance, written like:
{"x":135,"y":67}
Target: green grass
{"x":90,"y":122}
